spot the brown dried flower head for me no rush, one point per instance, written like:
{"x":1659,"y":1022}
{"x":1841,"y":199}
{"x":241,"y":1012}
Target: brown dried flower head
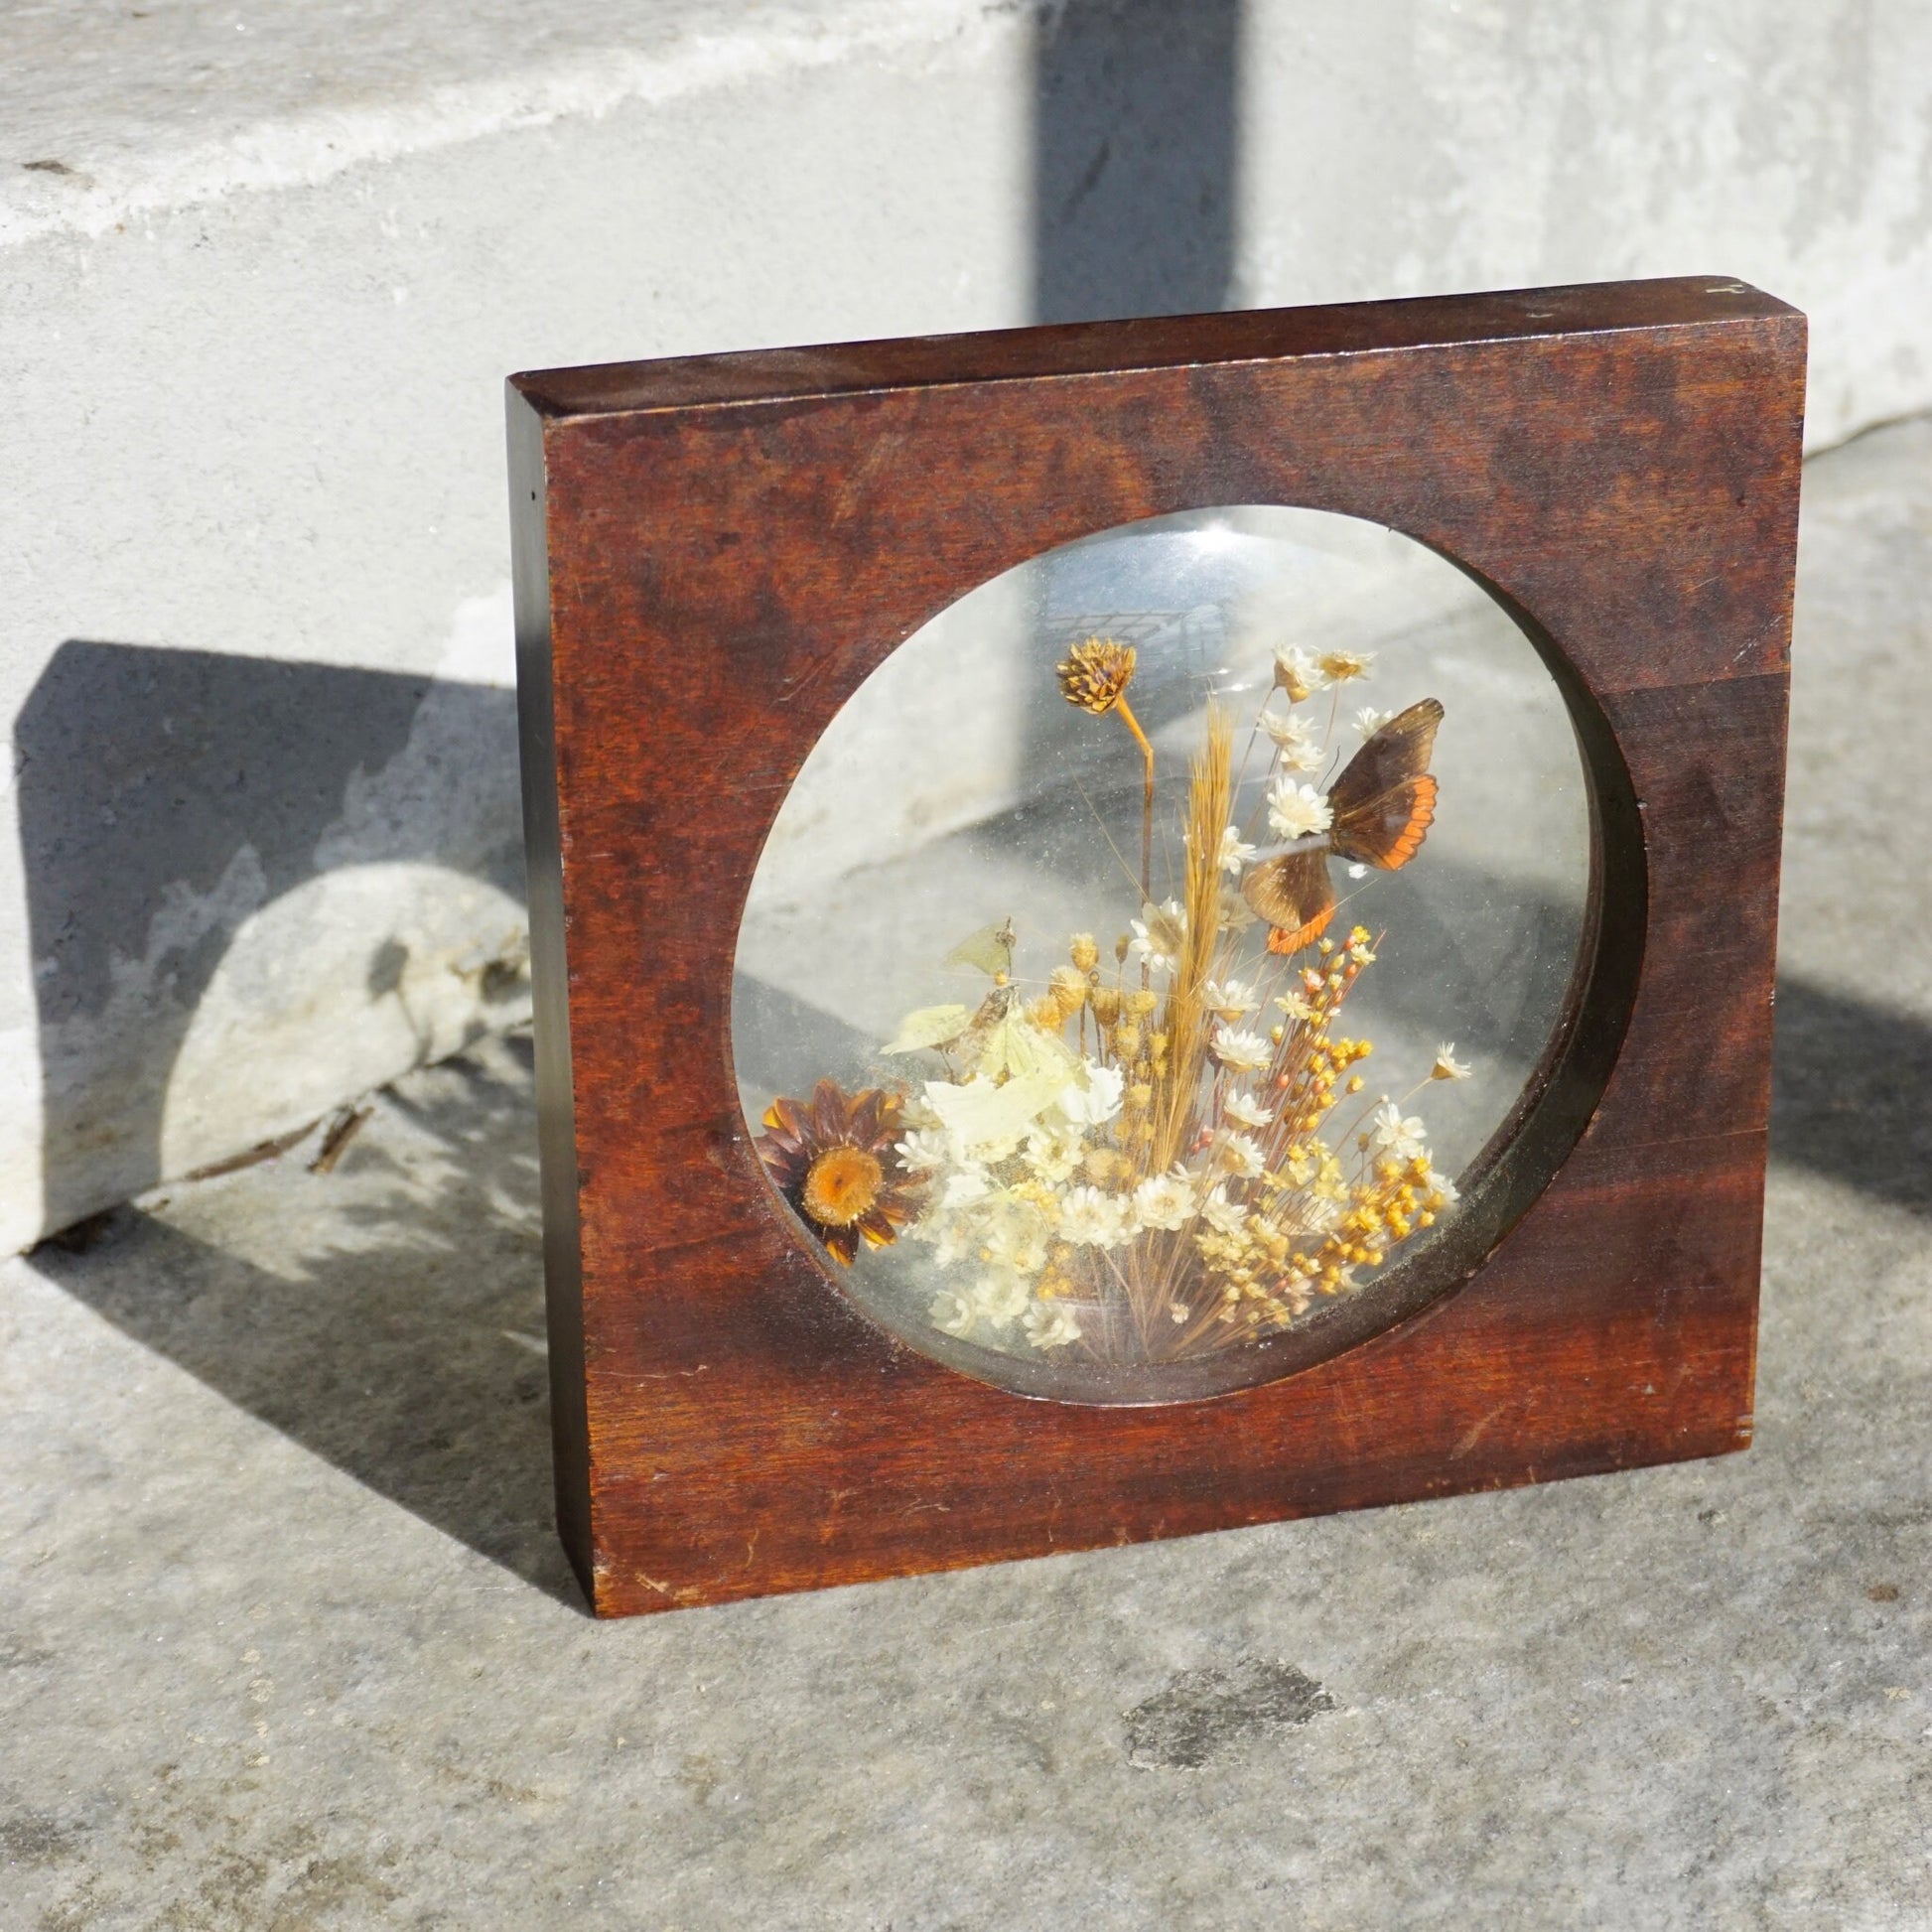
{"x":1096,"y":673}
{"x":832,"y":1156}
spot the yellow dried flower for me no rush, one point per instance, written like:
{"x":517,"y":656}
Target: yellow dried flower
{"x":1140,"y":1002}
{"x":1106,"y":1003}
{"x":1068,"y":989}
{"x":1047,"y":1013}
{"x":1127,"y":1041}
{"x":1095,"y":673}
{"x":1083,"y":952}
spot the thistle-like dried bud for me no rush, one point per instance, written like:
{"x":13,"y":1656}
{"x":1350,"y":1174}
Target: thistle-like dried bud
{"x":1068,"y":989}
{"x":1083,"y":952}
{"x":1127,"y":1041}
{"x":1095,"y":674}
{"x":1140,"y":1002}
{"x":1106,"y":1003}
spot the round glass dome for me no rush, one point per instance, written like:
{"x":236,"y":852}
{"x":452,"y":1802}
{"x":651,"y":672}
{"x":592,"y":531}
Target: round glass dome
{"x":1157,"y":948}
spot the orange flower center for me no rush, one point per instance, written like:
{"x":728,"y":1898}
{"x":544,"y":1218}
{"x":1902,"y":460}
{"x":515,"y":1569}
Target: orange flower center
{"x":839,"y":1186}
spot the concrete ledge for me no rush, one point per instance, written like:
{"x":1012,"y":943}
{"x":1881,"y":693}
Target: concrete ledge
{"x":256,"y":320}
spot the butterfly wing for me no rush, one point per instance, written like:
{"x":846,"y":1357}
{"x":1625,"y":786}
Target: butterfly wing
{"x":1384,"y":801}
{"x":1294,"y":894}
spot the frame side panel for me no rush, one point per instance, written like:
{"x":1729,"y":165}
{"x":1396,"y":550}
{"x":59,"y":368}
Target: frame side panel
{"x":556,"y":1108}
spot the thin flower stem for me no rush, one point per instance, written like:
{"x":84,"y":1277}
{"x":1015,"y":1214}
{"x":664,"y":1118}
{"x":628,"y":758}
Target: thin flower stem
{"x":1133,"y":724}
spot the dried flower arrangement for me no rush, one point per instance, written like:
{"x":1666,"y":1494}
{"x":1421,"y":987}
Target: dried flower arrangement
{"x":1135,"y":1161}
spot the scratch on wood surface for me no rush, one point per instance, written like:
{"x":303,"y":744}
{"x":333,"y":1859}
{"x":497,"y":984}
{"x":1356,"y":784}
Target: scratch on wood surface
{"x":1471,"y":1436}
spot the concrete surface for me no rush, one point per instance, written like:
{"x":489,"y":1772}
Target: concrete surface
{"x":266,"y":266}
{"x":286,"y":1643}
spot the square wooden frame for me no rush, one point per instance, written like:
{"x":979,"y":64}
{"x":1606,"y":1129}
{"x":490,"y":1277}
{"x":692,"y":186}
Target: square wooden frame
{"x":712,"y":553}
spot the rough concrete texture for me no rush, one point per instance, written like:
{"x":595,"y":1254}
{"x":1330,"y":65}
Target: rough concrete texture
{"x":288,"y":1642}
{"x":266,"y":266}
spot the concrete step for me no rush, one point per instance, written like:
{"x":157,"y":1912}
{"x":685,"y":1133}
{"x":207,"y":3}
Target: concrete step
{"x":265,"y":267}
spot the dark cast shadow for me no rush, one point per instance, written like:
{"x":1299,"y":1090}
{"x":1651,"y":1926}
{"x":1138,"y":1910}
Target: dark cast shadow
{"x":168,"y":796}
{"x":399,"y":1335}
{"x":164,"y":798}
{"x":1135,"y":154}
{"x":1848,"y":1088}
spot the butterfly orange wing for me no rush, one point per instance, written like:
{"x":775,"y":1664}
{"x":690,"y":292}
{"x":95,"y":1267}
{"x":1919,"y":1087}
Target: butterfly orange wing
{"x":1294,"y":894}
{"x":1384,"y":801}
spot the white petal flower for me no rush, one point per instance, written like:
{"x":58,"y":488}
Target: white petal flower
{"x":1295,"y":1006}
{"x":1159,"y":932}
{"x":1438,"y":1184}
{"x":922,"y":1151}
{"x":1245,"y":1110}
{"x":1164,"y":1200}
{"x":1233,"y":913}
{"x":1240,"y":1051}
{"x":1297,"y":747}
{"x":1092,"y":1220}
{"x":1235,"y":852}
{"x":1399,"y":1139}
{"x":1221,"y":1214}
{"x":1448,"y":1066}
{"x":1052,"y":1156}
{"x":1020,"y":1245}
{"x":1297,"y":673}
{"x":1229,"y":1000}
{"x":1050,"y":1326}
{"x":1093,"y":1099}
{"x":1368,"y":720}
{"x":999,"y":1300}
{"x":966,"y":1184}
{"x":952,"y":1312}
{"x":1241,"y":1155}
{"x":1337,"y":667}
{"x":1297,"y":811}
{"x":1287,"y":730}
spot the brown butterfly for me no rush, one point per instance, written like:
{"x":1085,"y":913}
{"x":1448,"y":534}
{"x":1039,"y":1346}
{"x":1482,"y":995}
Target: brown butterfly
{"x":1383,"y":805}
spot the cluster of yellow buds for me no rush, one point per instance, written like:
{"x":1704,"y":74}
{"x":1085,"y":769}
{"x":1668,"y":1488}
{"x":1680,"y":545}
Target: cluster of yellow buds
{"x":1251,"y":1262}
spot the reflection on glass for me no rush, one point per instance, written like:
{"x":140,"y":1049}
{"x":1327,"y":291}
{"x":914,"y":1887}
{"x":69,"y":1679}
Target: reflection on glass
{"x":1152,"y":944}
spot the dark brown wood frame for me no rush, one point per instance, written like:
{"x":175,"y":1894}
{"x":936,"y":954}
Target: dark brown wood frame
{"x":712,"y":554}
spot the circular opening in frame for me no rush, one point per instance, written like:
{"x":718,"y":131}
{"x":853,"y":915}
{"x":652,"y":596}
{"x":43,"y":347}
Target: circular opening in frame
{"x":1162,"y":951}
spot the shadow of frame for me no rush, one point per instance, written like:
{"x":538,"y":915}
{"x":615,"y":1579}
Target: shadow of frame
{"x":387,"y":1317}
{"x":167,"y":798}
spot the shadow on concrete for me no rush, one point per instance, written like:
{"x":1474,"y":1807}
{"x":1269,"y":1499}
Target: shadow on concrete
{"x":1135,"y":154}
{"x":1848,"y":1094}
{"x":165,"y":796}
{"x":400,"y":1338}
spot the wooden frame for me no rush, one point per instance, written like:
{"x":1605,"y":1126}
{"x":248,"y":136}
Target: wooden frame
{"x":712,"y":553}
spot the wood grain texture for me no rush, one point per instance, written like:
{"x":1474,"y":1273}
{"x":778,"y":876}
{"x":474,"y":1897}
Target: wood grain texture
{"x":731,"y":544}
